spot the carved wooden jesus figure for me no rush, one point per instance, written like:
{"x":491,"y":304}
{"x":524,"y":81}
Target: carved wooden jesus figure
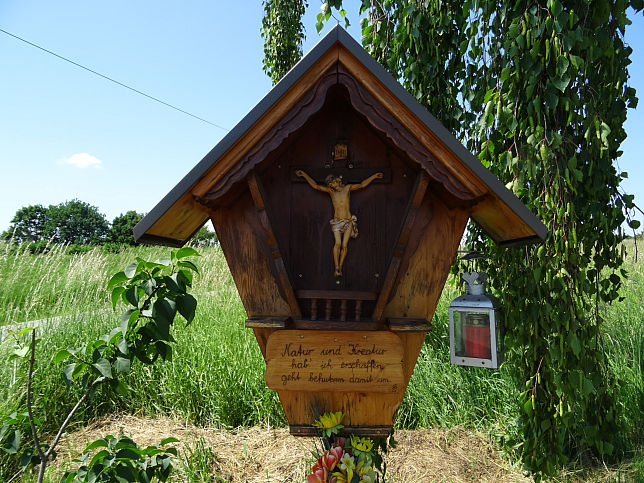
{"x":343,"y":225}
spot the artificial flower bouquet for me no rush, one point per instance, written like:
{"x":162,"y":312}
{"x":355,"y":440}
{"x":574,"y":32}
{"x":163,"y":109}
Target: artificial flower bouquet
{"x":344,"y":460}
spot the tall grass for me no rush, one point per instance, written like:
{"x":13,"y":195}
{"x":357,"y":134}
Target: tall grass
{"x":216,"y":376}
{"x":623,"y":342}
{"x":55,"y":283}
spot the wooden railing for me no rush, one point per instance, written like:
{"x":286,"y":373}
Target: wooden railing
{"x":335,"y":304}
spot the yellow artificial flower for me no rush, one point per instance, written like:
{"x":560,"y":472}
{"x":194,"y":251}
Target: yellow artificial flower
{"x":329,"y":423}
{"x":329,"y":420}
{"x":363,"y":445}
{"x":364,"y":469}
{"x":339,"y":477}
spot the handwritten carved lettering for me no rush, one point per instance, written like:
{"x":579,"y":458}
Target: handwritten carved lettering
{"x":301,"y":360}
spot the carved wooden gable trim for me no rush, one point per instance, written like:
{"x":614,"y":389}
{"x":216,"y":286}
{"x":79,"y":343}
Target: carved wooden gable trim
{"x":365,"y":104}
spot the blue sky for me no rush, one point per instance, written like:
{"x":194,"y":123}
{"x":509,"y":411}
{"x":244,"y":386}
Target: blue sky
{"x":66,"y":133}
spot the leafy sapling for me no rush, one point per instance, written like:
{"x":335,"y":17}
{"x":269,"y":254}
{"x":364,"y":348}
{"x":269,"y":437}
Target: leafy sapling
{"x":121,"y":460}
{"x":154,"y":292}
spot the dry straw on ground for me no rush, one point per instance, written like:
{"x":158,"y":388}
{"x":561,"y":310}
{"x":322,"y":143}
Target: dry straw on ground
{"x":272,"y":455}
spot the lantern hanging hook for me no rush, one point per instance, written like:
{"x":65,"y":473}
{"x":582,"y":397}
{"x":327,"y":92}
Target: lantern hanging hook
{"x":471,"y":255}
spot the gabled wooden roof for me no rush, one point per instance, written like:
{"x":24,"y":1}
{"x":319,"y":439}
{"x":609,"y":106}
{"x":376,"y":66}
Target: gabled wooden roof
{"x":497,"y":210}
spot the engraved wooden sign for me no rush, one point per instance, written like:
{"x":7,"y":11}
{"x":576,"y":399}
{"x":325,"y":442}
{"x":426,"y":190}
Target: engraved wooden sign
{"x":356,"y":361}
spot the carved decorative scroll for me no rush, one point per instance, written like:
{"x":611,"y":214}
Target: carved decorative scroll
{"x":311,"y":103}
{"x":381,"y":119}
{"x":364,"y":103}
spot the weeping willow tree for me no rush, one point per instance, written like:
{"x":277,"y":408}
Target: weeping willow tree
{"x":283,"y":33}
{"x":539,"y":91}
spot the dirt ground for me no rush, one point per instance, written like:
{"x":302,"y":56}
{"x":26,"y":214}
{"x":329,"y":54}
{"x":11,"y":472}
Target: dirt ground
{"x":272,"y":455}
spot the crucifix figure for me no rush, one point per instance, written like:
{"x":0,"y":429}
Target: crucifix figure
{"x":343,"y":225}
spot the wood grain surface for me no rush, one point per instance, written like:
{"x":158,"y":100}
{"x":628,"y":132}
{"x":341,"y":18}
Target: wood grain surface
{"x":334,"y":361}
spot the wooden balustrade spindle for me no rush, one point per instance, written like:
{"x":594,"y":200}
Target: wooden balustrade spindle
{"x":343,"y":310}
{"x":314,"y":309}
{"x":358,"y":310}
{"x":327,"y":310}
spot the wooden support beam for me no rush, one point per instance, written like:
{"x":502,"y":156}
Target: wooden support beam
{"x":362,"y":431}
{"x":283,"y":281}
{"x":268,"y":322}
{"x":408,"y":325}
{"x":335,"y":325}
{"x":401,"y":245}
{"x":336,"y":294}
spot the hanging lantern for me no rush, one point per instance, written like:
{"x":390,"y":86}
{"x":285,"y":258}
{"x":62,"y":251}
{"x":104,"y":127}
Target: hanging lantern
{"x":475,"y":326}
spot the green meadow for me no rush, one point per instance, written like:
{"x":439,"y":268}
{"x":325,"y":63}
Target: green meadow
{"x":216,"y":375}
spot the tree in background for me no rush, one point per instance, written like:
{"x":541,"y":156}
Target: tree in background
{"x":70,"y":222}
{"x":204,"y":238}
{"x":121,"y":229}
{"x":539,"y":91}
{"x":76,"y":222}
{"x":27,"y":225}
{"x":283,"y":33}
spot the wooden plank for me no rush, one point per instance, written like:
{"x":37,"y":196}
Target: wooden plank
{"x":283,"y":280}
{"x":349,"y":175}
{"x":262,"y":335}
{"x":425,"y":271}
{"x":265,"y":123}
{"x":359,"y":408}
{"x":267,"y":322}
{"x":181,"y":220}
{"x":258,"y":290}
{"x":309,"y":430}
{"x":336,"y":295}
{"x":332,"y":361}
{"x":499,"y":221}
{"x":405,"y":324}
{"x":304,"y":324}
{"x":401,"y":245}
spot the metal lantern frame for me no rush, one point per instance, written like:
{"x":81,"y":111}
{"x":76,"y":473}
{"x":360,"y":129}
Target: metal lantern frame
{"x":478,"y":306}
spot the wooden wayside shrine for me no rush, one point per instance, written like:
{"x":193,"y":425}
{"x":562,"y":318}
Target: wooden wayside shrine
{"x":339,"y":203}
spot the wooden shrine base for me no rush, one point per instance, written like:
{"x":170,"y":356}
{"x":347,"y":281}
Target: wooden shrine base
{"x":362,"y":431}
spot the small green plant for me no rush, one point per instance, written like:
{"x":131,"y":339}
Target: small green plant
{"x":155,"y":292}
{"x":638,"y":469}
{"x":119,"y":459}
{"x":198,"y":463}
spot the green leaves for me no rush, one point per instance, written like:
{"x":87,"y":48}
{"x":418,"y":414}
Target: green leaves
{"x":61,"y":355}
{"x":283,"y":33}
{"x":117,"y":279}
{"x":539,"y":93}
{"x":187,"y":306}
{"x":157,"y":291}
{"x":153,"y":292}
{"x":103,"y":367}
{"x":184,"y":253}
{"x":119,"y":459}
{"x":11,"y":432}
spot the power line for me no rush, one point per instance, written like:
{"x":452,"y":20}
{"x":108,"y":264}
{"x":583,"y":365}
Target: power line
{"x":113,"y":80}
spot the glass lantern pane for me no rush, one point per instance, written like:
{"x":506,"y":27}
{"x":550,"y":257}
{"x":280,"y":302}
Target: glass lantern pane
{"x":459,"y":344}
{"x":476,"y":334}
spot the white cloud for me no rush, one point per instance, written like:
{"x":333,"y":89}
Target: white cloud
{"x":83,"y":161}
